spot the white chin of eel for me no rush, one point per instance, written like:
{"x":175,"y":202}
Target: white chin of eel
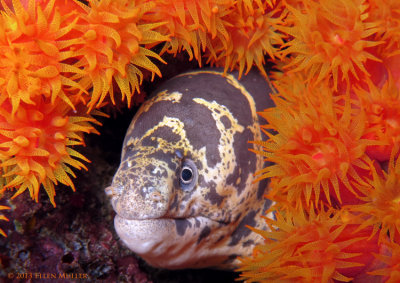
{"x":184,"y":192}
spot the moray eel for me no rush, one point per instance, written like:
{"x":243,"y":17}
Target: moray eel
{"x":184,"y":191}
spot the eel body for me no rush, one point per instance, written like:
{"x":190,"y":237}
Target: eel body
{"x":184,"y":191}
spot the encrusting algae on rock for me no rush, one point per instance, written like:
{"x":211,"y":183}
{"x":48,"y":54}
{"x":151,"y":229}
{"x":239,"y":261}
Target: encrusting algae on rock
{"x":332,"y":134}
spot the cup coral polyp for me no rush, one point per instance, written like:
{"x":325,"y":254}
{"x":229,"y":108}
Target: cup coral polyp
{"x":381,"y":207}
{"x":330,"y":39}
{"x":30,"y":55}
{"x":2,"y":217}
{"x":391,"y":271}
{"x":35,"y":146}
{"x":387,"y":14}
{"x":253,"y":31}
{"x":318,"y":145}
{"x":382,"y":109}
{"x":192,"y":24}
{"x":110,"y":46}
{"x":314,"y":247}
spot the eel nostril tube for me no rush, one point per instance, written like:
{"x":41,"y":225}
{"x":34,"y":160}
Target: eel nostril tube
{"x":156,"y":196}
{"x":109,"y":191}
{"x":113,"y":191}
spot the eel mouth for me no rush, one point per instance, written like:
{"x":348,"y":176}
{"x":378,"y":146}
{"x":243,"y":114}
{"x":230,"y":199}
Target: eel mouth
{"x":114,"y":194}
{"x":176,"y":243}
{"x":164,"y":219}
{"x":144,"y":236}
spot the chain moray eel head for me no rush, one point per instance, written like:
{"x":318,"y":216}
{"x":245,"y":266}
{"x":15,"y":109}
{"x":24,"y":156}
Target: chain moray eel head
{"x":184,"y":191}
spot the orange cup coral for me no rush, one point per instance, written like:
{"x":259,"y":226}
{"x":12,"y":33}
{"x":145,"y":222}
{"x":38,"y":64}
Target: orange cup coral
{"x":31,"y":52}
{"x":253,"y":31}
{"x":109,"y":46}
{"x":382,"y":110}
{"x":35,"y":145}
{"x":2,"y":217}
{"x":192,"y":24}
{"x":317,"y":247}
{"x":330,"y":39}
{"x":318,"y":145}
{"x":381,"y":209}
{"x":391,"y":272}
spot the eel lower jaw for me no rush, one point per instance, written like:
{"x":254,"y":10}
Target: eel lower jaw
{"x":141,"y":236}
{"x":167,"y":242}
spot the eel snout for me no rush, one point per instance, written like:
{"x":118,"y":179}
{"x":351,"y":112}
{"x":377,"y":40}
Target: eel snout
{"x":139,"y":201}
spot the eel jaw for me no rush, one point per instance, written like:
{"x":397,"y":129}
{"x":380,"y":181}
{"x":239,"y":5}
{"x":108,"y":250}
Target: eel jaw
{"x":178,"y":243}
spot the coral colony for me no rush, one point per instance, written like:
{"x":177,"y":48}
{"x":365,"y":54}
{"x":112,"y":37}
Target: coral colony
{"x":333,"y":135}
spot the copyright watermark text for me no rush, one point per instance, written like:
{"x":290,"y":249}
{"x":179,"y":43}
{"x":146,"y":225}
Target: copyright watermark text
{"x":39,"y":275}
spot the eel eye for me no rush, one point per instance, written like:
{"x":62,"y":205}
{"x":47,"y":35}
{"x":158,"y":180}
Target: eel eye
{"x":188,"y":175}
